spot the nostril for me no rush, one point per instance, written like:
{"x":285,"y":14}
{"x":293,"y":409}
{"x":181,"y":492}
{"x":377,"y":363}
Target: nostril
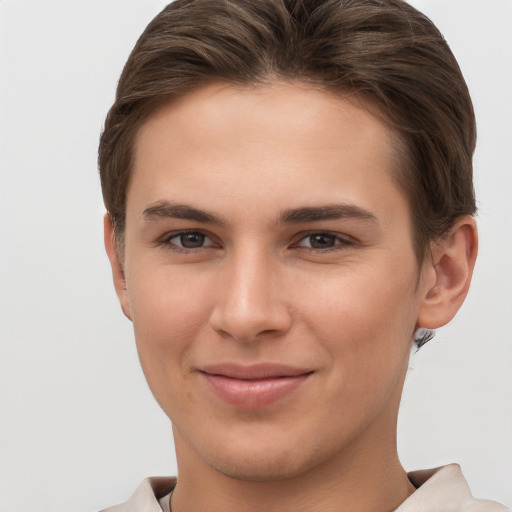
{"x":251,"y":326}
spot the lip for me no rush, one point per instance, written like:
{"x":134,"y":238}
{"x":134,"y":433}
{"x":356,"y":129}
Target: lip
{"x":255,"y":386}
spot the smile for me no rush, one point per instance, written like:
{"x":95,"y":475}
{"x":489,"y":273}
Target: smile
{"x":255,"y":386}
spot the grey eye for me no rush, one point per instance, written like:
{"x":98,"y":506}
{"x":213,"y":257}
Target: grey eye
{"x":191,"y":240}
{"x":187,"y":241}
{"x":321,"y":240}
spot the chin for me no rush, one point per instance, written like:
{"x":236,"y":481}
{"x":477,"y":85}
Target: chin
{"x":264,"y":468}
{"x":265,"y":461}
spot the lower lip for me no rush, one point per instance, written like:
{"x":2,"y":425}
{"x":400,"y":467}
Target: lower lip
{"x":256,"y":393}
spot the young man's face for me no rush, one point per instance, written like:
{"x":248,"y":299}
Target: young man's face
{"x":270,"y":277}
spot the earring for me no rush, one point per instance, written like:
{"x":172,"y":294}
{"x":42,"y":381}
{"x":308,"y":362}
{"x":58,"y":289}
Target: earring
{"x":422,"y":336}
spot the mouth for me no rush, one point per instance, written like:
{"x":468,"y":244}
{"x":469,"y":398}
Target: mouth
{"x":255,"y":386}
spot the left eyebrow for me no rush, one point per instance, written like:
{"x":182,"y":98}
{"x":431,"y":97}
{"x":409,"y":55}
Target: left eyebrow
{"x":327,"y":212}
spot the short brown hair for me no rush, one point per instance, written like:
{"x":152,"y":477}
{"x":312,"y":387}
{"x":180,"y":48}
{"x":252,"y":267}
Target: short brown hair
{"x":385,"y":51}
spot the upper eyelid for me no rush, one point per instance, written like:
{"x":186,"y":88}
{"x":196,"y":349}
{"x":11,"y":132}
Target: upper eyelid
{"x":341,"y":236}
{"x":167,"y":237}
{"x":172,"y":234}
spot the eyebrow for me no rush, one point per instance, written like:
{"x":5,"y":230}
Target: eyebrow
{"x":164,"y":209}
{"x":327,"y":212}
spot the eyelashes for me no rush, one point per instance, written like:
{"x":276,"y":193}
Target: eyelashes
{"x":192,"y":241}
{"x":187,"y":242}
{"x":324,"y":240}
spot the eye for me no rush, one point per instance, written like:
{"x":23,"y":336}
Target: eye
{"x":323,"y":240}
{"x":188,"y":240}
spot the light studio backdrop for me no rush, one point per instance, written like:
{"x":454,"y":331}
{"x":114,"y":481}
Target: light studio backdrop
{"x":78,"y":427}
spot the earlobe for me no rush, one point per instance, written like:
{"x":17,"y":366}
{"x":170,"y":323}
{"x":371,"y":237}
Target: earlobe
{"x":450,"y":270}
{"x":116,"y":265}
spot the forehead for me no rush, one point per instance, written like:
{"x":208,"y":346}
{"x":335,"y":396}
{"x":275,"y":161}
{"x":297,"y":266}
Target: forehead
{"x":280,"y":142}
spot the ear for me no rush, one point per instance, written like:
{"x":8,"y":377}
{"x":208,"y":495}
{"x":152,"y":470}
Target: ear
{"x":116,"y":264}
{"x":448,"y":274}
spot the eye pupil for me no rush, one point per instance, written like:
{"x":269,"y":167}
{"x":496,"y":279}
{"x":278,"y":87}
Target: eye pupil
{"x":192,"y":240}
{"x":322,"y":240}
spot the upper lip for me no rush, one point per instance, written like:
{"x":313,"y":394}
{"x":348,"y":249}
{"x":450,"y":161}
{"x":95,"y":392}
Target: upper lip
{"x":253,"y":371}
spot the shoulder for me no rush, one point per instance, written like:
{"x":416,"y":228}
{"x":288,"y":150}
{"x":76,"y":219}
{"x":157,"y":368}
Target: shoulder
{"x":444,"y":489}
{"x":146,"y":496}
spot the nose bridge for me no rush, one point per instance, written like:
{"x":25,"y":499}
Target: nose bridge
{"x":250,"y":297}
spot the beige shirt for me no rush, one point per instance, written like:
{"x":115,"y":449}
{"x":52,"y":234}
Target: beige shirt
{"x":438,"y":490}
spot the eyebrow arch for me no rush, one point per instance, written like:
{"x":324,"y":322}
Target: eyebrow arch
{"x":165,"y":209}
{"x":327,"y":212}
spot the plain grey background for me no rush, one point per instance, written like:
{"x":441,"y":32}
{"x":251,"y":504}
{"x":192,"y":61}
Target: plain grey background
{"x":78,"y":426}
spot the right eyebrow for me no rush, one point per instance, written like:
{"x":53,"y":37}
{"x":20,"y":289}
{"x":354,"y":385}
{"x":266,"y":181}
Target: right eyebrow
{"x":165,"y":209}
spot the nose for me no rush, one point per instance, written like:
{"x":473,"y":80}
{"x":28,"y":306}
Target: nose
{"x":251,"y":303}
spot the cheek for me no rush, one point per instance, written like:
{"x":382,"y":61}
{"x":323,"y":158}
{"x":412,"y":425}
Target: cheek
{"x":169,"y":313}
{"x":373,"y":296}
{"x":166,"y":302}
{"x":364,"y":322}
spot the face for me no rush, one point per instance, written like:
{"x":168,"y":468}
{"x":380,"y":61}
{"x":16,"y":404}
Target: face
{"x":271,"y":277}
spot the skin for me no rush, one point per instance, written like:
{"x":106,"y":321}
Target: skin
{"x":265,"y":281}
